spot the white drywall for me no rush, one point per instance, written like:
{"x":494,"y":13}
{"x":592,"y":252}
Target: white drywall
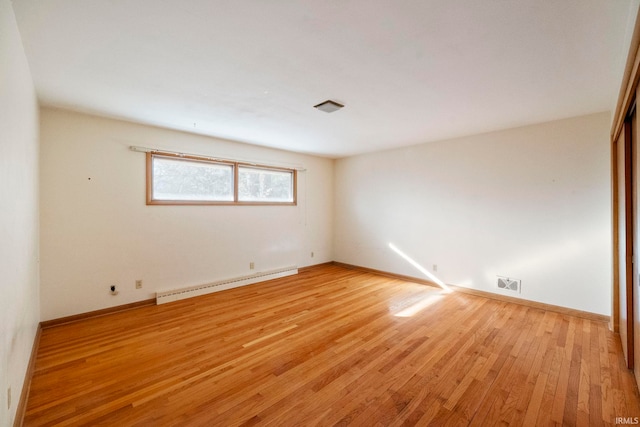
{"x":531,"y":203}
{"x":19,"y":300}
{"x":97,"y":230}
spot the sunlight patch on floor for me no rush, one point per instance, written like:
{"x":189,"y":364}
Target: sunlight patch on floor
{"x":419,"y":306}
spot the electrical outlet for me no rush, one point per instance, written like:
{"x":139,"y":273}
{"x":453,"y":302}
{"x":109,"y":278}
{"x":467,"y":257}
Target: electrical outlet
{"x":9,"y":398}
{"x":311,"y":254}
{"x":138,"y":284}
{"x":435,"y":267}
{"x":251,"y":266}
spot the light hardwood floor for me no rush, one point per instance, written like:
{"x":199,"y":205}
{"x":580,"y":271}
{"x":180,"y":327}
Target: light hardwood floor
{"x":331,"y":346}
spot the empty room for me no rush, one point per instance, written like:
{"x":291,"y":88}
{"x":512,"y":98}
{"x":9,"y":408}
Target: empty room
{"x":298,"y":213}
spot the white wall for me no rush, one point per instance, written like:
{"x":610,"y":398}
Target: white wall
{"x":97,"y":230}
{"x":19,"y":301}
{"x":532,"y":203}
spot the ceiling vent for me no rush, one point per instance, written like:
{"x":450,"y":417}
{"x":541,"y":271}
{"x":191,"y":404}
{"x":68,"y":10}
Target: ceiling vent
{"x":328,"y":106}
{"x":509,"y":284}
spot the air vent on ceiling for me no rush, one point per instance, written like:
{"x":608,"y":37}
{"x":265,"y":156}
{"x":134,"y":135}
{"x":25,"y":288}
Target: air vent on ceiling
{"x":509,"y":284}
{"x":328,"y":106}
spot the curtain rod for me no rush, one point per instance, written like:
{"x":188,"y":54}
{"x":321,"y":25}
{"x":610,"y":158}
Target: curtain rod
{"x":220,"y":159}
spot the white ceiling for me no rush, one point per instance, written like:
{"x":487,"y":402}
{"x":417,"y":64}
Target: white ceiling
{"x":408,"y":71}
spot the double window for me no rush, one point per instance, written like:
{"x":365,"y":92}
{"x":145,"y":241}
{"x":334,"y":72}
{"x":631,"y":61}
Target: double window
{"x":190,"y":180}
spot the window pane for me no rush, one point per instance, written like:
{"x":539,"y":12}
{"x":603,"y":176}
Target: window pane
{"x":175,"y":179}
{"x":264,"y":185}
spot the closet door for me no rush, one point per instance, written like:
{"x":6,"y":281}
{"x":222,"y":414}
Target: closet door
{"x":625,"y":242}
{"x":635,"y":253}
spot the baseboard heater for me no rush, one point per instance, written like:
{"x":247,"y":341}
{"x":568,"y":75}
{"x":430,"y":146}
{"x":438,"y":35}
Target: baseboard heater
{"x":194,"y":291}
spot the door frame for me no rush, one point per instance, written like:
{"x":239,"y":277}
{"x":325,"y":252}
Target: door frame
{"x":621,"y":125}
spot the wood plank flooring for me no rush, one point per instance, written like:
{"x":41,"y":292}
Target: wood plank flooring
{"x":331,"y":346}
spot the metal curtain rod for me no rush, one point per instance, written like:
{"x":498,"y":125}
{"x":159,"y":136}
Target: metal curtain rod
{"x":178,"y":153}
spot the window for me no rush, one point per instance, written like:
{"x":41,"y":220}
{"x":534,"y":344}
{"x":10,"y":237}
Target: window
{"x":190,"y":180}
{"x":264,"y":185}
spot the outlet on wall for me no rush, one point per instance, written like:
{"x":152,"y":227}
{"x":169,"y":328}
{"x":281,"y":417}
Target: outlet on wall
{"x":251,"y":265}
{"x":435,"y":267}
{"x":9,"y":397}
{"x":138,"y":284}
{"x":312,"y":254}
